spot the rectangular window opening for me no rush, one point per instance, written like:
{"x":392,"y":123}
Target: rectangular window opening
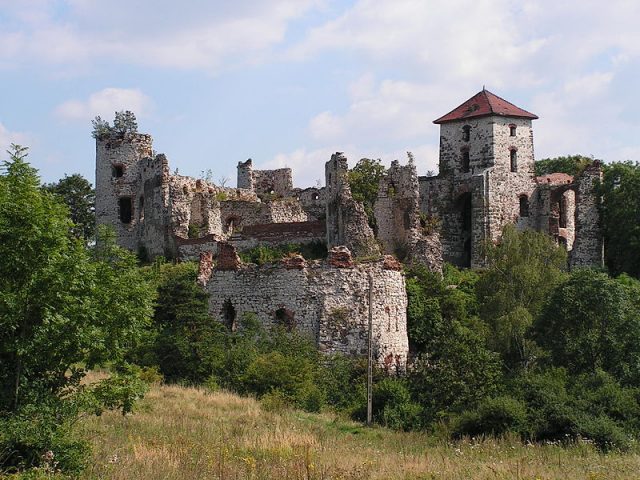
{"x":126,"y":209}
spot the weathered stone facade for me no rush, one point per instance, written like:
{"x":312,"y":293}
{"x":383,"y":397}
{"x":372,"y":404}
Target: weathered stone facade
{"x":327,"y":300}
{"x":486,"y":181}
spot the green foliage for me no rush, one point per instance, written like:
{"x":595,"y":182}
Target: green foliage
{"x":78,"y":194}
{"x":620,"y":215}
{"x":494,"y":416}
{"x":186,"y":344}
{"x":393,"y":406}
{"x":61,"y":306}
{"x":265,"y":254}
{"x":363,"y":180}
{"x":592,"y":322}
{"x":571,"y":165}
{"x":522,"y":271}
{"x":123,"y":123}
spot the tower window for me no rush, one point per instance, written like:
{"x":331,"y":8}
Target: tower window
{"x":125,"y":209}
{"x":466,"y":133}
{"x":118,"y":171}
{"x":514,"y":159}
{"x":465,"y":161}
{"x":524,"y":206}
{"x":512,"y":130}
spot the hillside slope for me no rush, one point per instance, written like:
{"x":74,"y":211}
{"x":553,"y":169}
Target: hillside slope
{"x":187,"y":433}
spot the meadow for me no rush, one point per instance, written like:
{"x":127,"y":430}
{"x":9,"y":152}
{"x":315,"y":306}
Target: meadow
{"x":190,"y":433}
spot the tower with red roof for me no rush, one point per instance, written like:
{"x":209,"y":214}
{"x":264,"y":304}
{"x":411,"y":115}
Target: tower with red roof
{"x":486,"y":175}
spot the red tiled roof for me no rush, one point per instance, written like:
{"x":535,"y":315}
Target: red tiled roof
{"x":482,"y":104}
{"x":556,"y":178}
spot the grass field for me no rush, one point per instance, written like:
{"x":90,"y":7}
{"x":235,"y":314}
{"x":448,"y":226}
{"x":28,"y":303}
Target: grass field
{"x":186,"y":433}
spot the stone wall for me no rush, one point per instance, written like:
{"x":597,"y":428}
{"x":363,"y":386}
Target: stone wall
{"x":401,"y":229}
{"x":278,"y":182}
{"x":330,"y":304}
{"x":588,"y":246}
{"x":118,"y":174}
{"x":347,"y":222}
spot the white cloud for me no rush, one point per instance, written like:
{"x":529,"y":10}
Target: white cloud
{"x":160,"y":33}
{"x":105,"y":103}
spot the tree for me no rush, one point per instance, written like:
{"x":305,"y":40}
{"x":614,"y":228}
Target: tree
{"x":571,"y":165}
{"x":78,"y":194}
{"x":453,"y":370}
{"x":364,"y":178}
{"x":620,"y":211}
{"x":189,"y":346}
{"x":123,"y":123}
{"x":62,"y":311}
{"x":593,"y":322}
{"x":523,"y":268}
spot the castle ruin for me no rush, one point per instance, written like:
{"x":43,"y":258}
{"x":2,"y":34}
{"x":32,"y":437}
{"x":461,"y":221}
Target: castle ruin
{"x":486,"y":181}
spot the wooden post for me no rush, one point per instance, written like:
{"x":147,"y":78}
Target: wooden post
{"x":370,"y":355}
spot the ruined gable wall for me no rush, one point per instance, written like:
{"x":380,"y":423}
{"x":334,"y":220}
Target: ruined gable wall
{"x":400,"y":228}
{"x":123,"y":152}
{"x":588,"y":246}
{"x":347,"y":222}
{"x":330,"y":304}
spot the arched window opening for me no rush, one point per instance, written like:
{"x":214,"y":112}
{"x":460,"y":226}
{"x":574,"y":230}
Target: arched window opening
{"x":512,"y":130}
{"x":466,"y":133}
{"x":524,"y":206}
{"x":117,"y":171}
{"x":513,"y":155}
{"x":315,"y":196}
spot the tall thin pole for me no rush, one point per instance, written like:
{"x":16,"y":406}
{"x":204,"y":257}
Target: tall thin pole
{"x":370,"y":355}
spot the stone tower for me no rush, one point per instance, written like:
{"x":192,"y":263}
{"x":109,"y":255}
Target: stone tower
{"x":486,"y":175}
{"x":119,"y":202}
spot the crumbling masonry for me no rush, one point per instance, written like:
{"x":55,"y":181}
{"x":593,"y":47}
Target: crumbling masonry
{"x":486,"y":181}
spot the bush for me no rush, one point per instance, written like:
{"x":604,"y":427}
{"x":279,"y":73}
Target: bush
{"x":494,"y":416}
{"x":604,"y":433}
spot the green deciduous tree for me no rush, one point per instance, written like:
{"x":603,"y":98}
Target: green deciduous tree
{"x":593,"y":322}
{"x":621,"y":217}
{"x":571,"y":165}
{"x":523,"y":268}
{"x":62,"y":310}
{"x":79,"y":196}
{"x":364,"y":178}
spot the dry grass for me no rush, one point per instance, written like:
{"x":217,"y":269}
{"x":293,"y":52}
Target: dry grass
{"x":186,"y":433}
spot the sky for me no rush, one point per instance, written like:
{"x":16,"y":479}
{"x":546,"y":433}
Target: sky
{"x":289,"y":82}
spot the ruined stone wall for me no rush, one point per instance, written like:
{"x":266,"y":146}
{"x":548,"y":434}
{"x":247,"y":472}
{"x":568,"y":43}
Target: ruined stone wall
{"x":236,"y":215}
{"x":401,"y":229}
{"x":118,"y":174}
{"x":328,"y":303}
{"x":153,"y":211}
{"x":588,"y":248}
{"x":274,"y":234}
{"x":313,"y":200}
{"x":277,"y":182}
{"x":346,"y":219}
